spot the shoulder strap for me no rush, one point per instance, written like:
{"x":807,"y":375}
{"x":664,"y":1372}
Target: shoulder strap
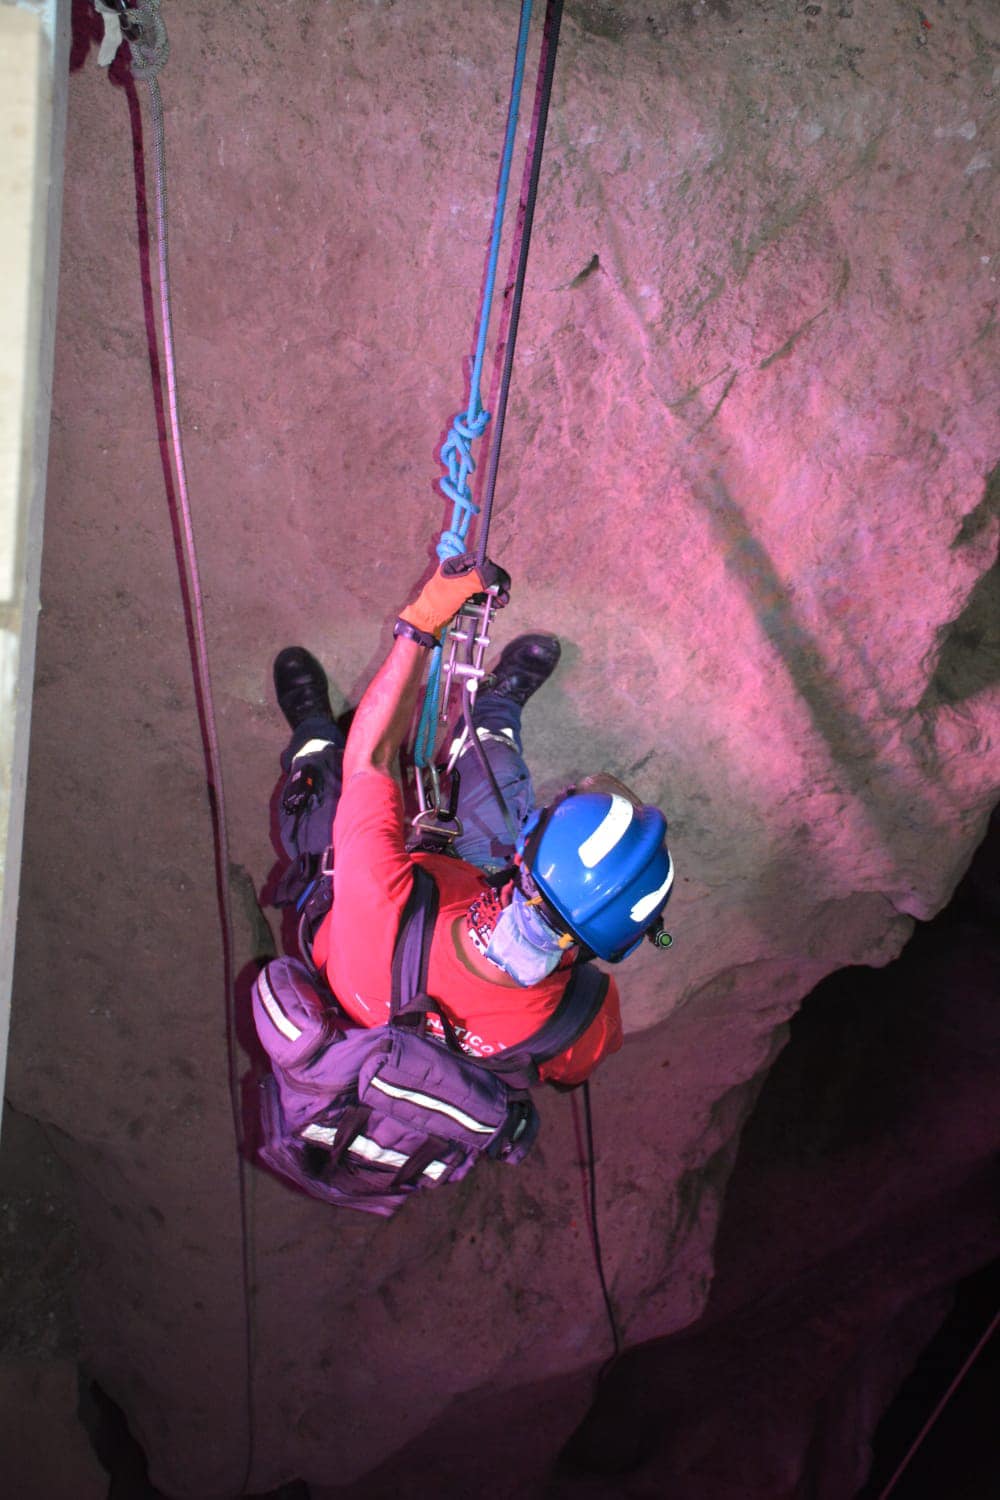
{"x":578,"y":1006}
{"x":412,"y":953}
{"x":411,"y":958}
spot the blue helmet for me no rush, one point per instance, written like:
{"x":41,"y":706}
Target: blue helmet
{"x":598,"y":857}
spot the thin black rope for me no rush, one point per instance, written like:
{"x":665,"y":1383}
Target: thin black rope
{"x":595,"y":1237}
{"x":550,"y":43}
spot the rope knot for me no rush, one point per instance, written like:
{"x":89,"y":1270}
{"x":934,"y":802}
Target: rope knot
{"x":456,"y":455}
{"x":149,"y":46}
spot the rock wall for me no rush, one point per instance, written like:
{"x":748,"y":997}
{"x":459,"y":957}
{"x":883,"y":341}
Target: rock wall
{"x":747,"y":480}
{"x":864,"y":1189}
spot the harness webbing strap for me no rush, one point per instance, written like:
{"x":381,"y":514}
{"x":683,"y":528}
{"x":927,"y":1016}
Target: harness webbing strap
{"x":434,"y":1149}
{"x":578,"y":1007}
{"x":352,"y":1124}
{"x":411,"y":955}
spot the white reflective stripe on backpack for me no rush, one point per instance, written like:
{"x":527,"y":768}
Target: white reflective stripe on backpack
{"x":438,"y":1106}
{"x":269,"y":1000}
{"x":326,"y":1135}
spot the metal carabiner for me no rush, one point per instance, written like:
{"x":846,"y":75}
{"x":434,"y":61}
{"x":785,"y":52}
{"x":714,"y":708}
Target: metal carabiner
{"x":471,"y":628}
{"x":466,"y":645}
{"x":129,"y":22}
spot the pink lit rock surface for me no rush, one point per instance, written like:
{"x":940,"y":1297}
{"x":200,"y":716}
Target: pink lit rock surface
{"x":746,"y":479}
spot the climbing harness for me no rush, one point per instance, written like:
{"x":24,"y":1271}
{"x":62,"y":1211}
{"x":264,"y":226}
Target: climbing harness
{"x":464,"y":651}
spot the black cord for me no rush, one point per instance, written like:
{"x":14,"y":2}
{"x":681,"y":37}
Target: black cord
{"x":592,"y":1175}
{"x":550,"y":43}
{"x":553,"y":19}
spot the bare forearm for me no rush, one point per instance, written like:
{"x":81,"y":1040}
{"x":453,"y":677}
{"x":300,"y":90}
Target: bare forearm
{"x":383,"y":715}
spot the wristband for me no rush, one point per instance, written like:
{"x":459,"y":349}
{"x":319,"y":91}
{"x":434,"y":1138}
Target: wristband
{"x":412,"y":633}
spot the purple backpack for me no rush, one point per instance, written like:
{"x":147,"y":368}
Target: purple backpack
{"x":365,"y":1116}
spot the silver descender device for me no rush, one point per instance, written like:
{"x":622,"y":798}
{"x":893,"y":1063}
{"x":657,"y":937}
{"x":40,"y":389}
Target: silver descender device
{"x":463,"y":655}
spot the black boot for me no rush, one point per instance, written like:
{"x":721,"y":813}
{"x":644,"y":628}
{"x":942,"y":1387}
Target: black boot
{"x":300,"y":685}
{"x":524,"y":665}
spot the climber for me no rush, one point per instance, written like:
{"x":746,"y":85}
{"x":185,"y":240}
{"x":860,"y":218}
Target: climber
{"x":590,"y":873}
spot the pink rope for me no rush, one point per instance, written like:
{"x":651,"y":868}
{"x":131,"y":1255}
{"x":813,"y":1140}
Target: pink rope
{"x":203,"y":688}
{"x":190,"y":550}
{"x":940,"y":1407}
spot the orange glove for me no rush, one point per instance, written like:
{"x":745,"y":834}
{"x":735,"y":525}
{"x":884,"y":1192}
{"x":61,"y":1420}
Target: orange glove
{"x":444,"y":593}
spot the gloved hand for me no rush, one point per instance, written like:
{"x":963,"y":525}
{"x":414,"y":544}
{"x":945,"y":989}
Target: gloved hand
{"x":444,"y":593}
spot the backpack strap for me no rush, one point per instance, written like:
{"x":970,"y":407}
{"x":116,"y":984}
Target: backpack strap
{"x":578,"y":1007}
{"x":411,"y":955}
{"x":312,"y":901}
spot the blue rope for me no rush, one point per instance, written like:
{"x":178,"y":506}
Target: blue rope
{"x":423,"y":744}
{"x":456,"y":450}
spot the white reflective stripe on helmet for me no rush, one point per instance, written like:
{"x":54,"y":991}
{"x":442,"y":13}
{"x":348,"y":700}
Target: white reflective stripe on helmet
{"x":268,"y":999}
{"x":370,"y":1150}
{"x":609,"y":832}
{"x":646,"y":905}
{"x":311,"y":747}
{"x":427,"y":1101}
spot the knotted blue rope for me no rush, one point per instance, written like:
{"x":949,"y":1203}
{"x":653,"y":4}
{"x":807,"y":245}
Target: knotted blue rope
{"x":456,"y":455}
{"x":467,"y":426}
